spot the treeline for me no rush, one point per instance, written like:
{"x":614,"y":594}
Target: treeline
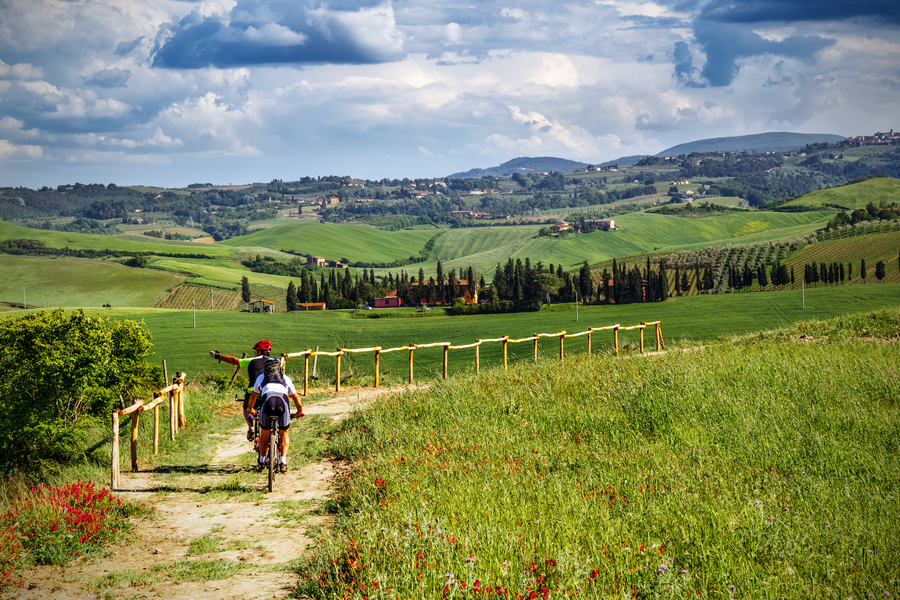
{"x":38,"y":248}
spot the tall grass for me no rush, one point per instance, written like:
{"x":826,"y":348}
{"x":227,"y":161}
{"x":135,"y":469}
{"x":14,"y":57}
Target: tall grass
{"x":754,"y":468}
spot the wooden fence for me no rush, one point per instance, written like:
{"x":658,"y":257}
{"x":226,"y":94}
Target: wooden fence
{"x":377,"y":351}
{"x":175,"y":394}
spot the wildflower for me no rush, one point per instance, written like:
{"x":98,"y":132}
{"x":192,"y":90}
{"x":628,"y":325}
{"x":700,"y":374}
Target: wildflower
{"x":470,"y":559}
{"x":683,"y":571}
{"x":662,"y":568}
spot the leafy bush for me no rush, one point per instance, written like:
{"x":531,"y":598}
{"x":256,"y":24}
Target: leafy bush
{"x":59,"y":375}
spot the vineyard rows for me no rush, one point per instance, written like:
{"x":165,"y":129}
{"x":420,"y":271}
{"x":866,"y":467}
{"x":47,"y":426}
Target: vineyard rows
{"x":863,"y":242}
{"x":183,"y":297}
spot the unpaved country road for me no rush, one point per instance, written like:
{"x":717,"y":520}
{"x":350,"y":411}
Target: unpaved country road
{"x":250,"y":533}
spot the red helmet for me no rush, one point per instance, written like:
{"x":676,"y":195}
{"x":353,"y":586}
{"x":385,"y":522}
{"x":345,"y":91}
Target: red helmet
{"x":264,"y":345}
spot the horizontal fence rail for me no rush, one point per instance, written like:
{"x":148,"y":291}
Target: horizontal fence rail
{"x":175,"y":394}
{"x":377,"y":351}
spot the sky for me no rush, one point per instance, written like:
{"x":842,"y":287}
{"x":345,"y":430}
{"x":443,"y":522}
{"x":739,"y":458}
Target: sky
{"x":174,"y":92}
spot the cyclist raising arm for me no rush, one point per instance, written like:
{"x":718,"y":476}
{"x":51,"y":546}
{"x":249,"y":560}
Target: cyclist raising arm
{"x":274,"y":388}
{"x":255,"y":367}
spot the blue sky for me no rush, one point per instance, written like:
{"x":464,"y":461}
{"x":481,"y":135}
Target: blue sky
{"x":172,"y":92}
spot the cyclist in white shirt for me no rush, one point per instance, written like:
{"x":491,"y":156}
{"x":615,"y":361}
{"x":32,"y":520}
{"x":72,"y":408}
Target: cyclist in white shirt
{"x":274,"y":389}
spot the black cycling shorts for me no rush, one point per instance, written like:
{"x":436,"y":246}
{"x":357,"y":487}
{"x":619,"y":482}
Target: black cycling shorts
{"x":275,"y":408}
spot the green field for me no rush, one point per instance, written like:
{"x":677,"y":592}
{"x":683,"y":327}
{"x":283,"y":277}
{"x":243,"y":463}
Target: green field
{"x":851,"y":197}
{"x":756,"y":468}
{"x":125,"y":243}
{"x":686,"y":321}
{"x":74,"y":282}
{"x":336,"y":241}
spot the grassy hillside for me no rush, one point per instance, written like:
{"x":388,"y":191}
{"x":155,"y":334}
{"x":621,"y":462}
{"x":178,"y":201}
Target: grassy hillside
{"x":335,"y":241}
{"x":686,"y":321}
{"x":127,"y":243}
{"x":851,"y":197}
{"x":754,"y":468}
{"x":74,"y":282}
{"x":871,"y":248}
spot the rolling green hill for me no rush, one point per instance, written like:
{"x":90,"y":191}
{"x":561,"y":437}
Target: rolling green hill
{"x":336,"y":241}
{"x":126,"y":243}
{"x":74,"y":282}
{"x":853,"y":196}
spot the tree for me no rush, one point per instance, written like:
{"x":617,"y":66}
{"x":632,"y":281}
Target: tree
{"x":585,"y":285}
{"x":305,"y":294}
{"x":879,"y":270}
{"x":291,"y":299}
{"x":245,"y":290}
{"x":60,"y":377}
{"x":862,"y":269}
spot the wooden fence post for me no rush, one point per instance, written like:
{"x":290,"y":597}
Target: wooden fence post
{"x":505,"y":340}
{"x":477,"y":356}
{"x":377,"y":372}
{"x":535,"y":336}
{"x":173,"y":415}
{"x":182,"y":421}
{"x":114,"y":463}
{"x":446,"y":352}
{"x":616,"y":339}
{"x":412,"y":347}
{"x":156,"y":424}
{"x":590,"y":331}
{"x":337,"y":369}
{"x":562,"y":336}
{"x":306,"y":375}
{"x":134,"y":439}
{"x":641,"y":329}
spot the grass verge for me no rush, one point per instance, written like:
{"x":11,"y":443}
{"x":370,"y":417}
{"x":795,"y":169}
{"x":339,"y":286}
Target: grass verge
{"x":757,"y":467}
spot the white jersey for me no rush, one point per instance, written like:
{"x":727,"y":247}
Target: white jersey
{"x":274,"y":388}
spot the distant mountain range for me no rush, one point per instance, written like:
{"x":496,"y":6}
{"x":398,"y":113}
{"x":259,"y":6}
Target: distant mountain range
{"x":760,"y":142}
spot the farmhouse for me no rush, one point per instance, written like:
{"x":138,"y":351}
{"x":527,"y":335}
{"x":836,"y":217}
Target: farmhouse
{"x":316,"y":261}
{"x":387,"y":302}
{"x":560,"y":227}
{"x":604,"y":224}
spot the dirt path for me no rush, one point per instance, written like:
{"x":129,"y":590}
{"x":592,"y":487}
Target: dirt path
{"x":217,"y":534}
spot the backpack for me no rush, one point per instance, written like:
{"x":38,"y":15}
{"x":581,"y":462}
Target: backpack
{"x":272,"y":372}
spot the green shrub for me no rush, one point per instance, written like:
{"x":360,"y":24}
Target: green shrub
{"x":59,"y":375}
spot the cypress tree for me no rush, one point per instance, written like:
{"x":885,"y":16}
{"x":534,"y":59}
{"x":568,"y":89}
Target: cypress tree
{"x":862,"y":269}
{"x":245,"y":290}
{"x":291,"y":300}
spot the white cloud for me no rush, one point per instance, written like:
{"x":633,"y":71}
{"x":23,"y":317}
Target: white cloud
{"x":25,"y":71}
{"x":10,"y":151}
{"x":273,"y":34}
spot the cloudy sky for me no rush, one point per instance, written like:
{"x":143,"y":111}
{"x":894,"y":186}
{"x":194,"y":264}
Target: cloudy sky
{"x":172,"y":92}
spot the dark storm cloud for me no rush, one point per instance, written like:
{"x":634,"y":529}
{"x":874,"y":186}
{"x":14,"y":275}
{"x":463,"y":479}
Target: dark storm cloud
{"x":789,"y":11}
{"x":280,"y":33}
{"x":725,"y":43}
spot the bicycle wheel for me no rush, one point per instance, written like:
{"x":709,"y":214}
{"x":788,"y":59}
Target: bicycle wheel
{"x":273,"y":459}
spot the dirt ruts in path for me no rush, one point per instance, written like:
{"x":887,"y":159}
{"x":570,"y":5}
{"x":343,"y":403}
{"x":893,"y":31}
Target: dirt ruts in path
{"x":238,"y":527}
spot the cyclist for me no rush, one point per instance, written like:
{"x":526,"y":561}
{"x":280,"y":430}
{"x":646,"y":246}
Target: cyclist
{"x":274,"y":388}
{"x":255,"y":367}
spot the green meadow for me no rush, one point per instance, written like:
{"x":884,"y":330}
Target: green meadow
{"x":851,"y":197}
{"x":756,"y":467}
{"x":125,"y":243}
{"x":686,"y":322}
{"x":72,"y":282}
{"x":336,"y":241}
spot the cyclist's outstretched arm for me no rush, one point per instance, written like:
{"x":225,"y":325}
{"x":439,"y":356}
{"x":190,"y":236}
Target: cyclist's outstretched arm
{"x":231,"y":360}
